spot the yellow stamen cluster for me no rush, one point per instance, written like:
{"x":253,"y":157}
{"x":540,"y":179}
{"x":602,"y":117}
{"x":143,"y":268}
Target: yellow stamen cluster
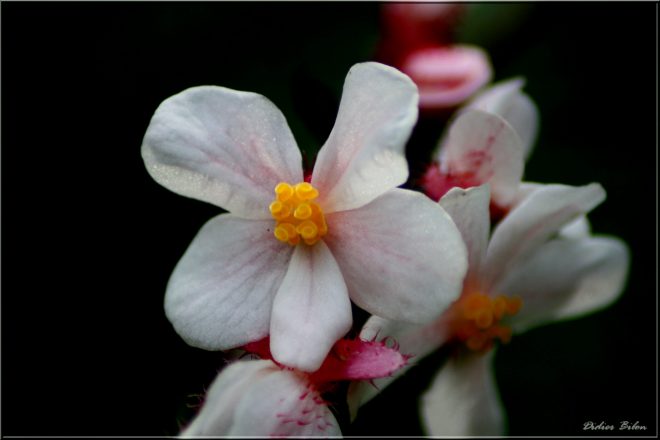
{"x":296,"y":214}
{"x":476,"y":320}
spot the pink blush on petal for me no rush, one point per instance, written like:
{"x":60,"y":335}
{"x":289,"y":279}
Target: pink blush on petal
{"x":359,"y":360}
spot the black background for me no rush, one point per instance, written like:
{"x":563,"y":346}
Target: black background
{"x":89,"y":240}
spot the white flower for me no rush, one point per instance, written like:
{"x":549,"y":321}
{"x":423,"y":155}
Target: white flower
{"x":488,"y":142}
{"x":529,"y":273}
{"x":260,"y":398}
{"x":285,"y":263}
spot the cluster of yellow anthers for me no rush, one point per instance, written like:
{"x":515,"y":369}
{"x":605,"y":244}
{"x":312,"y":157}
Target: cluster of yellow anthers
{"x":296,"y":214}
{"x":477,"y":316}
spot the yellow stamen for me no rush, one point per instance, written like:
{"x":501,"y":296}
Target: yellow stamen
{"x":476,"y":319}
{"x":297,"y":215}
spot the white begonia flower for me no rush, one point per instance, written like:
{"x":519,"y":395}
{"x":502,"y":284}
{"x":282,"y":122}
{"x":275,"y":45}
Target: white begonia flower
{"x":287,"y":267}
{"x":532,"y":271}
{"x":487,"y":142}
{"x":261,"y":398}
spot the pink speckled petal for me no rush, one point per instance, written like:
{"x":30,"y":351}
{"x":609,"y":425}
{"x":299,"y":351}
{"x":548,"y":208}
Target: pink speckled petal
{"x":216,"y":416}
{"x":283,"y":404}
{"x":506,"y":100}
{"x":483,"y":148}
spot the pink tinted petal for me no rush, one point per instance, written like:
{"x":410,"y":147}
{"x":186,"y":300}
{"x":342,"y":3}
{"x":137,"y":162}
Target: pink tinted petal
{"x":469,"y":209}
{"x":567,"y":278}
{"x":311,"y":310}
{"x":484,"y":148}
{"x":222,"y":146}
{"x":221,"y":292}
{"x":413,"y":341}
{"x":463,"y":399}
{"x":357,"y":359}
{"x":283,"y":404}
{"x":217,"y":413}
{"x":447,"y":75}
{"x":506,"y":100}
{"x":535,"y":219}
{"x":401,"y":255}
{"x":364,"y":155}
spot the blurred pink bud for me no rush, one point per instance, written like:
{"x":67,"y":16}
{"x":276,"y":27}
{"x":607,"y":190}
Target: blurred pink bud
{"x":407,"y":27}
{"x":447,"y":76}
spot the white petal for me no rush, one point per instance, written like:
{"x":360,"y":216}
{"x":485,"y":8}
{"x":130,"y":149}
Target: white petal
{"x":567,"y":278}
{"x":578,"y":228}
{"x":401,"y":255}
{"x":506,"y":100}
{"x":364,"y":155}
{"x":283,"y":404}
{"x":217,"y":414}
{"x":463,"y":399}
{"x":529,"y":224}
{"x":486,"y":148}
{"x":220,"y":294}
{"x":412,"y":340}
{"x":222,"y":146}
{"x":469,"y":209}
{"x":311,"y":310}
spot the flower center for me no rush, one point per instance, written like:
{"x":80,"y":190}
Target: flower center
{"x":296,"y":214}
{"x":476,"y":319}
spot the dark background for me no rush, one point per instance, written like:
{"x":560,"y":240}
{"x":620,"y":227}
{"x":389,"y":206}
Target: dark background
{"x":89,"y":239}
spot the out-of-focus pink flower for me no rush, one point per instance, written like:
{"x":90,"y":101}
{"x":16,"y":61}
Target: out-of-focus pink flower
{"x":447,"y":75}
{"x":418,"y":39}
{"x":263,"y":398}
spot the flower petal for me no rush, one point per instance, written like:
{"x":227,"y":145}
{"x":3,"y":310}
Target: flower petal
{"x":463,"y":399}
{"x":222,"y":146}
{"x":506,"y":100}
{"x":283,"y":403}
{"x":311,"y":310}
{"x":415,"y":341}
{"x":401,"y":255}
{"x":578,"y":228}
{"x":567,"y":278}
{"x":483,"y":148}
{"x":221,"y":292}
{"x":217,"y":413}
{"x":447,"y":75}
{"x":533,"y":221}
{"x":364,"y":155}
{"x":358,"y":359}
{"x":469,"y":209}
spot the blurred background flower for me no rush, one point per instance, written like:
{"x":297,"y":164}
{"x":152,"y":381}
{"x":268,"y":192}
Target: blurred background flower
{"x":90,"y":240}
